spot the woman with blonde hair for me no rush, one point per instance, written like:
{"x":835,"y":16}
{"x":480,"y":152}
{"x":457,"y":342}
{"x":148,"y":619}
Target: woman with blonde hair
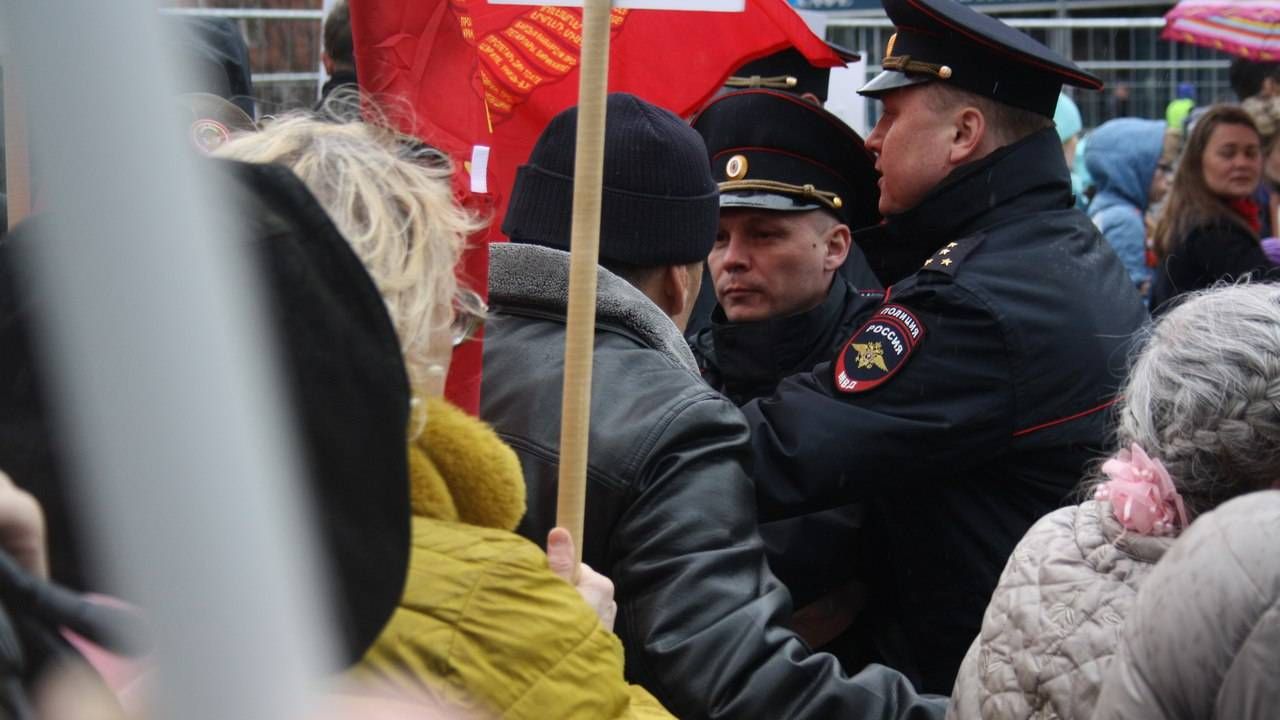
{"x":1199,"y":424}
{"x":484,"y":623}
{"x":1209,"y":229}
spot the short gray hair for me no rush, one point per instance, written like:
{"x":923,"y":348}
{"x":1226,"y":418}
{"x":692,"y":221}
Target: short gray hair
{"x":1203,"y":395}
{"x":1006,"y":123}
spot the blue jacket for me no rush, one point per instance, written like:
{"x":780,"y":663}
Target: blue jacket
{"x":1122,"y":158}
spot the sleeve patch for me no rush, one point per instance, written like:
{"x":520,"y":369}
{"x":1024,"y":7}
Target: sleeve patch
{"x":878,"y":350}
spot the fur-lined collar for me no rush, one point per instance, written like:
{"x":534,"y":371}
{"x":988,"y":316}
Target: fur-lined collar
{"x":460,"y":471}
{"x":534,"y":276}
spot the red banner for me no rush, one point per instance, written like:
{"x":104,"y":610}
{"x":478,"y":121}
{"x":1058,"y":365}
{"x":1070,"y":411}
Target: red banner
{"x":462,"y":73}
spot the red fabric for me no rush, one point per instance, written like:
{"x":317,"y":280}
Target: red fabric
{"x":460,"y":73}
{"x":1248,"y":209}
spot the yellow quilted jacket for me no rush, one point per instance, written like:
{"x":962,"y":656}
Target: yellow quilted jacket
{"x":484,"y":626}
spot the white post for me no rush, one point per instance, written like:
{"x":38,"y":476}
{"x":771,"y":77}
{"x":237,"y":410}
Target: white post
{"x":185,"y":465}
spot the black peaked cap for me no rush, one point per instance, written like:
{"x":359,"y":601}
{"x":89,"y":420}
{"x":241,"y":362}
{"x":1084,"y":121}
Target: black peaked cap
{"x":763,"y":142}
{"x":944,"y":41}
{"x":346,"y":387}
{"x":788,"y":70}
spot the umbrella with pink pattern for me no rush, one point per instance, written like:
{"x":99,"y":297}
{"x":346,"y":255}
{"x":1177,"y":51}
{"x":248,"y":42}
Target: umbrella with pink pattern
{"x":1247,"y":28}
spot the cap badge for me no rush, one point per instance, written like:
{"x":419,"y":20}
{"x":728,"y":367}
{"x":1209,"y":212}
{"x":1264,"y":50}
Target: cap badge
{"x":736,"y":168}
{"x":888,"y":49}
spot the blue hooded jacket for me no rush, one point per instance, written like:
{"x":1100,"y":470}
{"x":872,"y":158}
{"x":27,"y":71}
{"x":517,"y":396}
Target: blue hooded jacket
{"x":1121,"y":157}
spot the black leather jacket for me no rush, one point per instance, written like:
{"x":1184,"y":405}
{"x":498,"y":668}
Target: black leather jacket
{"x":670,"y":510}
{"x":987,"y":423}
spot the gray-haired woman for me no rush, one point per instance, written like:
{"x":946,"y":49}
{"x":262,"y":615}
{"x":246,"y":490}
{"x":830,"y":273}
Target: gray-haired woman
{"x":1199,"y":424}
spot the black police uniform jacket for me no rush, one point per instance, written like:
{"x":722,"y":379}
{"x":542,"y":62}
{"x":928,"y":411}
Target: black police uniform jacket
{"x":971,"y":400}
{"x":670,"y":510}
{"x":748,"y":360}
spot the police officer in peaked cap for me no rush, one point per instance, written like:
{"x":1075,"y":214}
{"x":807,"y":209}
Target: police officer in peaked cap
{"x":967,"y":402}
{"x":785,"y":72}
{"x":794,"y":182}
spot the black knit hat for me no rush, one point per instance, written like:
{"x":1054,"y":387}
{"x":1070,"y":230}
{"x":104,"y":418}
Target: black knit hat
{"x":660,"y":204}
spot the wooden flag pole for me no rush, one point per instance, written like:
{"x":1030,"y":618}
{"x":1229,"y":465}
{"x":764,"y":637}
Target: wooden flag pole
{"x":17,"y":163}
{"x":579,"y":343}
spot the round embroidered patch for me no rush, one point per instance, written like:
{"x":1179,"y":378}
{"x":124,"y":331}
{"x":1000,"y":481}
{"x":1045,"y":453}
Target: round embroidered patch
{"x":878,"y":350}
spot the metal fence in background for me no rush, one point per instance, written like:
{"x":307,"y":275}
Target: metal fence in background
{"x":284,"y":44}
{"x":1141,"y":71}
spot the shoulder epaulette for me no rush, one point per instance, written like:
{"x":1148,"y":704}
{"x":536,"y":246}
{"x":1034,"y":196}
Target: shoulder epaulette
{"x":948,"y":258}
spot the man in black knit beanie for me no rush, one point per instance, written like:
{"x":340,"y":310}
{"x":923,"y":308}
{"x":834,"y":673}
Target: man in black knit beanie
{"x":670,"y":514}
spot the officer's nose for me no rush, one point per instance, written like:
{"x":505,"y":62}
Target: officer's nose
{"x":735,"y":257}
{"x":875,"y":141}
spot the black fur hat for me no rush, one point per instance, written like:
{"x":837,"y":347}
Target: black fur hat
{"x":348,"y":393}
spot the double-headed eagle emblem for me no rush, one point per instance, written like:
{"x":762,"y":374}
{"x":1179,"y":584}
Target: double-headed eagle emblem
{"x":870,"y":355}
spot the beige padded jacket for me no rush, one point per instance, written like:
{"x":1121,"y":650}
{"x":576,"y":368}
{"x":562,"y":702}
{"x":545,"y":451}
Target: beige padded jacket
{"x":1054,"y":621}
{"x":1203,"y":640}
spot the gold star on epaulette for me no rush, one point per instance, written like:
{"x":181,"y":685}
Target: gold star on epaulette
{"x":948,"y":258}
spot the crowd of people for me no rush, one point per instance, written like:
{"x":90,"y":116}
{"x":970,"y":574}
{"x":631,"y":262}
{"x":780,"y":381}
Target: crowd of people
{"x":975,"y":417}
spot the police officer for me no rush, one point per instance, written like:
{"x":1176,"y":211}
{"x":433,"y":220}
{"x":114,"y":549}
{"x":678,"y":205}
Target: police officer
{"x":966,"y":404}
{"x":786,"y":72}
{"x":794,"y":180}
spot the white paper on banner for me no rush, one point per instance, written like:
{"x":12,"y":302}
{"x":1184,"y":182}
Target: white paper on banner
{"x":705,"y":5}
{"x":479,"y":169}
{"x":843,"y":99}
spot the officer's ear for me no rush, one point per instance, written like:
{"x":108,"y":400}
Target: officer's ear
{"x":838,"y":238}
{"x":676,"y":291}
{"x":968,"y":142}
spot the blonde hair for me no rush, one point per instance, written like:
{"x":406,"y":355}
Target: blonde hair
{"x":391,"y":198}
